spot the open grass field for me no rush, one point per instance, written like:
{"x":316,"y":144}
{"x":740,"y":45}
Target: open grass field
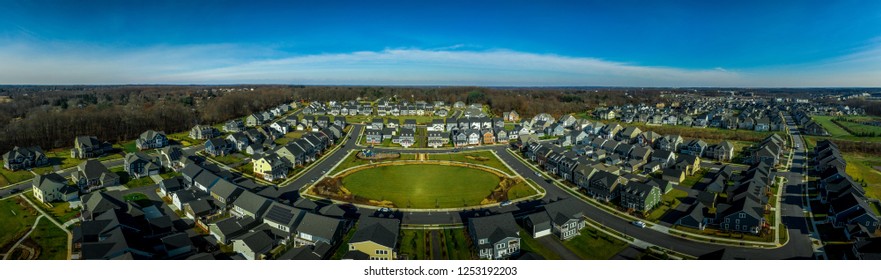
{"x":16,"y":218}
{"x":51,"y":239}
{"x":423,"y":185}
{"x":833,"y":129}
{"x":862,"y":169}
{"x":594,"y":245}
{"x":482,"y":158}
{"x":861,"y":129}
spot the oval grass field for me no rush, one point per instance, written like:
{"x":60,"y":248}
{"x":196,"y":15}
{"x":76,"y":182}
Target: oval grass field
{"x":424,"y":186}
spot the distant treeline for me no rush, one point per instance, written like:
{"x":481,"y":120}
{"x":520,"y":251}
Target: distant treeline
{"x":51,"y":116}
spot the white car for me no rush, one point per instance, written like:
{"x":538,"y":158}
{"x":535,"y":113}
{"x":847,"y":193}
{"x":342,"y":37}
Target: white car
{"x":640,"y":224}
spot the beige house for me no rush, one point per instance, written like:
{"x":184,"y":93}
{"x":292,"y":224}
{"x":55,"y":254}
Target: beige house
{"x":53,"y":187}
{"x":375,"y":239}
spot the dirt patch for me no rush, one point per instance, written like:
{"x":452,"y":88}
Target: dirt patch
{"x":500,"y":193}
{"x":333,"y":188}
{"x":27,"y":250}
{"x":477,"y":158}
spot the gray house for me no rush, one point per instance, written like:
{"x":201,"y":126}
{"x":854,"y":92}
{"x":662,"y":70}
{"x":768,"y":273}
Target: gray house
{"x":496,"y":237}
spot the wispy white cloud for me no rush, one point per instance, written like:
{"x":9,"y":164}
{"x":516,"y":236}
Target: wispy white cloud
{"x":66,"y":63}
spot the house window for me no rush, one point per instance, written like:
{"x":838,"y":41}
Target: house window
{"x":381,"y":252}
{"x":500,"y":246}
{"x":741,"y":215}
{"x":482,"y":241}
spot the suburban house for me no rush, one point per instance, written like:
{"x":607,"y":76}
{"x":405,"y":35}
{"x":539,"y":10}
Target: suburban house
{"x":88,"y":147}
{"x":235,"y":125}
{"x":496,"y":237}
{"x":376,"y":238}
{"x":271,"y":167}
{"x":53,"y":187}
{"x":139,"y":165}
{"x":151,"y":139}
{"x":203,"y":132}
{"x":172,"y":158}
{"x":283,"y":218}
{"x":639,"y":196}
{"x":24,"y":158}
{"x":314,"y":229}
{"x":227,"y":229}
{"x":218,"y":147}
{"x":604,"y":186}
{"x":565,"y":219}
{"x":225,"y":192}
{"x":251,"y":205}
{"x":673,"y":175}
{"x":724,"y":151}
{"x":537,"y":224}
{"x":254,"y":245}
{"x":695,"y":147}
{"x":92,"y":175}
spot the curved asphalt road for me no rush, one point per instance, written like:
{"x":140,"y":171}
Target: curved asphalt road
{"x":799,"y":247}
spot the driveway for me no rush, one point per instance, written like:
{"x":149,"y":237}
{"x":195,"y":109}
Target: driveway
{"x":552,"y":243}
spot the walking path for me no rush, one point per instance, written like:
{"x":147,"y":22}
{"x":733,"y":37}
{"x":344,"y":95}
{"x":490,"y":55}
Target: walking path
{"x":33,"y":227}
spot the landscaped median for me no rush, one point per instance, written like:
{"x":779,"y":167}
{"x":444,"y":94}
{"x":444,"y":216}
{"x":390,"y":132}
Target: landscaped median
{"x":423,"y":184}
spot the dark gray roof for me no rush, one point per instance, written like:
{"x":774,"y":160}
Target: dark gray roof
{"x":283,"y":214}
{"x":332,"y":210}
{"x":200,"y":206}
{"x":562,"y":211}
{"x":300,"y":253}
{"x":495,"y":228}
{"x":381,"y":231}
{"x":176,"y":241}
{"x":225,"y":189}
{"x":252,"y":202}
{"x":258,"y":241}
{"x":320,"y":226}
{"x":305,"y":204}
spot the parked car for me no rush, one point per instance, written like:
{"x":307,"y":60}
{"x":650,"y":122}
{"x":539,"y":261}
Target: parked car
{"x":385,"y":210}
{"x":505,"y":203}
{"x":639,"y":224}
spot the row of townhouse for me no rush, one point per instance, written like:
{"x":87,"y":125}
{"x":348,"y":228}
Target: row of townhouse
{"x":735,"y":202}
{"x":848,"y":207}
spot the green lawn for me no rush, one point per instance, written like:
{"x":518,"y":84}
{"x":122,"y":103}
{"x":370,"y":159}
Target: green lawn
{"x":691,"y":180}
{"x":423,"y":185}
{"x":861,"y":129}
{"x":229,"y":159}
{"x":128,"y":146}
{"x":61,"y":211}
{"x":833,"y":129}
{"x":138,"y":198}
{"x":458,"y":246}
{"x":861,"y":168}
{"x":344,"y":246}
{"x":183,"y":138}
{"x":521,"y":189}
{"x":669,"y":201}
{"x":169,"y":175}
{"x":482,"y":157}
{"x":139,"y":182}
{"x":51,"y":239}
{"x":594,"y":245}
{"x":12,"y":177}
{"x":412,"y":244}
{"x":16,"y":218}
{"x":529,"y":244}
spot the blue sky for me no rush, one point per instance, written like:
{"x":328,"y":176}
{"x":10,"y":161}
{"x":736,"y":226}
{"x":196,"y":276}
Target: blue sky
{"x":503,"y":43}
